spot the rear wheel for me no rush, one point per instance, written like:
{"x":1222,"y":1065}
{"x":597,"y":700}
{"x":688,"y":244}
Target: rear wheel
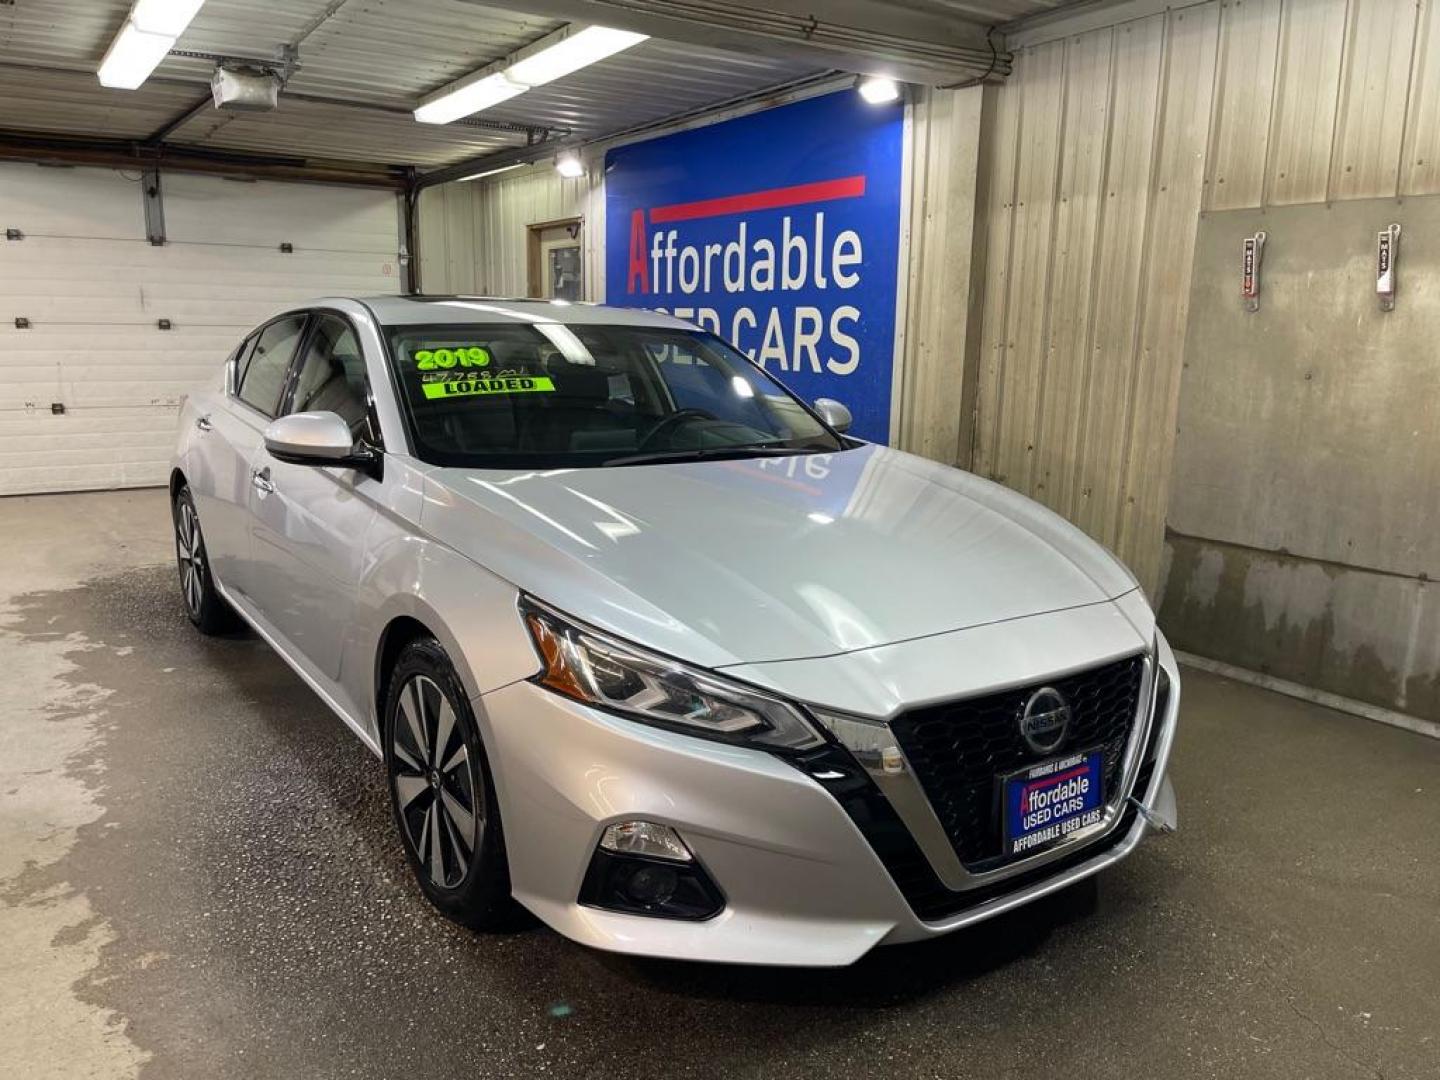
{"x":441,"y":791}
{"x":203,"y":603}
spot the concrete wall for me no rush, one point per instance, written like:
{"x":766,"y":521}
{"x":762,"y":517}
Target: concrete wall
{"x":1306,"y":493}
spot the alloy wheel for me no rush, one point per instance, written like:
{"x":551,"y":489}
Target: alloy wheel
{"x":191,"y":551}
{"x":439,"y":801}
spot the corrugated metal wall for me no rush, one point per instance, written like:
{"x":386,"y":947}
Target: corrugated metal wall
{"x":1107,"y":146}
{"x":473,"y":235}
{"x":945,"y":275}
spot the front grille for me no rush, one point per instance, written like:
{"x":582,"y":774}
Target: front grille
{"x":958,"y":748}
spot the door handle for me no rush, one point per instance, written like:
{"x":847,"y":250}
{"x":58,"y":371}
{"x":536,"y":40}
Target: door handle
{"x":260,"y":480}
{"x":203,"y":423}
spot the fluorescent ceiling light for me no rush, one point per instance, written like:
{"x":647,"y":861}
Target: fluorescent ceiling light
{"x":572,"y":50}
{"x":164,"y":16}
{"x":146,"y":38}
{"x":569,"y":165}
{"x":589,"y":46}
{"x":468,"y":98}
{"x":492,"y":172}
{"x":132,"y":56}
{"x":878,"y":91}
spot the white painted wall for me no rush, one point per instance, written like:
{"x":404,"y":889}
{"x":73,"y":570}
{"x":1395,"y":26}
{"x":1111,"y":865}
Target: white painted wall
{"x":94,"y":289}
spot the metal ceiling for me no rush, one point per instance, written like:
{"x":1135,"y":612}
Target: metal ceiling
{"x":363,"y":64}
{"x":370,"y":60}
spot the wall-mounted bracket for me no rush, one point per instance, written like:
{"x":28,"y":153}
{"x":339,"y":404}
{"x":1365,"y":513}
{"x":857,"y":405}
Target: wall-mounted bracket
{"x":22,"y":323}
{"x":14,"y":234}
{"x":1387,"y":252}
{"x":154,"y":207}
{"x":162,"y":324}
{"x":1252,"y":253}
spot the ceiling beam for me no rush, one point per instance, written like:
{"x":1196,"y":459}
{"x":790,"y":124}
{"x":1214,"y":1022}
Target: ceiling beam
{"x":180,"y":119}
{"x":127,"y":154}
{"x":862,"y":36}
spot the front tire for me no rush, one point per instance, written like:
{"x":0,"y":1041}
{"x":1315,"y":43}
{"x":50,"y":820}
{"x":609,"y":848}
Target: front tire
{"x":204,"y":605}
{"x":441,"y":792}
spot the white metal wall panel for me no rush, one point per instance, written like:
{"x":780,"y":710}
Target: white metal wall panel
{"x":1420,"y":157}
{"x":1123,"y":266}
{"x":448,"y":255}
{"x":1220,"y":105}
{"x":1302,"y":123}
{"x":1073,"y":280}
{"x":1042,"y":116}
{"x":999,"y":264}
{"x":1371,"y":126}
{"x":1176,"y":194}
{"x":94,"y":290}
{"x":474,"y":236}
{"x":1244,"y":91}
{"x":943,"y":273}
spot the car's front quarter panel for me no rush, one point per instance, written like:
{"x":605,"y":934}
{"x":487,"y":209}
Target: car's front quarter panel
{"x":409,"y":574}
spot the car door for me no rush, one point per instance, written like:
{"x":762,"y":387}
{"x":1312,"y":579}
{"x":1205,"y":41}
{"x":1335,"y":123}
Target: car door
{"x":231,"y":434}
{"x":309,"y":523}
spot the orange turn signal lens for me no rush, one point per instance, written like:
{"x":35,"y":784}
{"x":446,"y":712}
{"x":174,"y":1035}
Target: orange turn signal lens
{"x":559,"y":674}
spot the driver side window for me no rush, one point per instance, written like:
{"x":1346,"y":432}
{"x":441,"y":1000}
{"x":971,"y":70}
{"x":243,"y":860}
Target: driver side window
{"x":332,"y":378}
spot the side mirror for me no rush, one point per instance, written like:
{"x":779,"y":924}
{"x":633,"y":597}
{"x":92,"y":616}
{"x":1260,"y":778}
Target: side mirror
{"x":316,"y":438}
{"x":834,"y":413}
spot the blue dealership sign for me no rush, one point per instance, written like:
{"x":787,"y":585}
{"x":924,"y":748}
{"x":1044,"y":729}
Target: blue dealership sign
{"x":779,"y":231}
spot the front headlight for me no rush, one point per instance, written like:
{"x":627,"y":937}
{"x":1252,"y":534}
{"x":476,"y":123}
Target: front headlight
{"x":599,"y":670}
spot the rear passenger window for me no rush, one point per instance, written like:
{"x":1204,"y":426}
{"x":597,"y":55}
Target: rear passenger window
{"x":264,"y":376}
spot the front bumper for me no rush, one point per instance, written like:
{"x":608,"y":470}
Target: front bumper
{"x":803,"y":884}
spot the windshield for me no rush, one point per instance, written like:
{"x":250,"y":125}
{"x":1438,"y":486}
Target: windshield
{"x":549,"y":395}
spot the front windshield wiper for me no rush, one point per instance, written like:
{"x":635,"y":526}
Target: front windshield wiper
{"x":708,"y":453}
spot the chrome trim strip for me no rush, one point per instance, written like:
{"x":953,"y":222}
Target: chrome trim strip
{"x":908,"y":797}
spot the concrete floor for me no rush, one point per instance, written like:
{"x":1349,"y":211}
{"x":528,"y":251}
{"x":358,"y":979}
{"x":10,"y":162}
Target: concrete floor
{"x":198,"y":878}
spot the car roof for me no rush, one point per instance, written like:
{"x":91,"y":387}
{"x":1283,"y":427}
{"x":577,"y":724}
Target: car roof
{"x":409,"y":310}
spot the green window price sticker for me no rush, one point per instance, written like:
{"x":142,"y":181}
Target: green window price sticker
{"x":464,"y":356}
{"x":508,"y":384}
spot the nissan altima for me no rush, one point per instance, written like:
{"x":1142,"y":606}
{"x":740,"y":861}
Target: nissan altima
{"x":652,"y":648}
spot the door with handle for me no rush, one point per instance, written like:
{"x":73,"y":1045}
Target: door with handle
{"x":308,"y":522}
{"x":240,"y":426}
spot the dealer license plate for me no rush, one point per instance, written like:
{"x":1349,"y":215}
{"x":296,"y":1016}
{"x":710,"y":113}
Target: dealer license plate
{"x":1049,"y":801}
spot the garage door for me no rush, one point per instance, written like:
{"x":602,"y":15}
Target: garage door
{"x":90,"y":382}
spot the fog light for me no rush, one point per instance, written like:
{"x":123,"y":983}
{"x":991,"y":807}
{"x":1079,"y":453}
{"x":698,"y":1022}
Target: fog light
{"x":650,"y":885}
{"x":645,"y":838}
{"x":644,"y":868}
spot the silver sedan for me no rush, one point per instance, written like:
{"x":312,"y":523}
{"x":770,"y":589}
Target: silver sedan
{"x":651,"y":648}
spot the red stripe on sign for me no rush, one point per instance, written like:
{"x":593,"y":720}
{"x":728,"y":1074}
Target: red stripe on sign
{"x":1054,"y":781}
{"x":848,"y":187}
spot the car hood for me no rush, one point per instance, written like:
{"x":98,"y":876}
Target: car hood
{"x":726,"y":562}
